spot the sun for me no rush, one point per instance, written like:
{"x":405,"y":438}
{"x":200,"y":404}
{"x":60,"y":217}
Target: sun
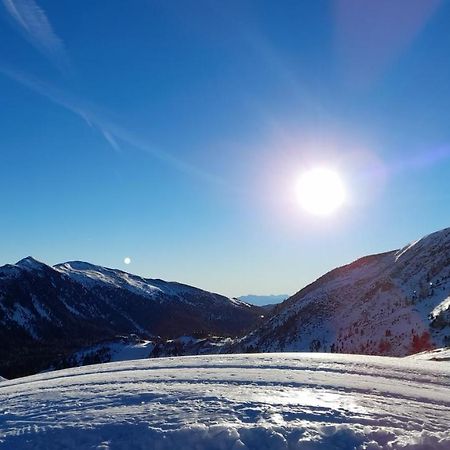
{"x":321,"y":191}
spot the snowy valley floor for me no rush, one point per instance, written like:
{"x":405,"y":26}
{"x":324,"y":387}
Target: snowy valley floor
{"x":265,"y":401}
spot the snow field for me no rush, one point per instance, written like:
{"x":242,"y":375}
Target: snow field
{"x":259,"y":401}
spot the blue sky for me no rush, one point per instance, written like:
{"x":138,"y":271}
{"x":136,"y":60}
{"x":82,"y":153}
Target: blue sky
{"x":173,"y":132}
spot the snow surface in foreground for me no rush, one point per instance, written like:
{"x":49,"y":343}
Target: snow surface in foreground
{"x":439,"y":354}
{"x":264,"y":401}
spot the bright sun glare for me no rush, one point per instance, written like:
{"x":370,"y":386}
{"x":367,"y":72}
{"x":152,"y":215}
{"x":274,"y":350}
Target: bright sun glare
{"x":321,"y":191}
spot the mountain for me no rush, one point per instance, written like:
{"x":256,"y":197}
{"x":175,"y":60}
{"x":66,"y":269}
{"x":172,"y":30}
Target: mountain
{"x":395,"y":303}
{"x":48,"y":312}
{"x":263,"y":300}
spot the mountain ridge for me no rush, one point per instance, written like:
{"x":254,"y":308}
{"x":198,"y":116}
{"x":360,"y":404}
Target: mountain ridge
{"x":48,"y":312}
{"x":392,"y":303}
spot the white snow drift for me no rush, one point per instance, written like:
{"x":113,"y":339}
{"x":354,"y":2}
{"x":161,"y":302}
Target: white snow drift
{"x":265,"y":401}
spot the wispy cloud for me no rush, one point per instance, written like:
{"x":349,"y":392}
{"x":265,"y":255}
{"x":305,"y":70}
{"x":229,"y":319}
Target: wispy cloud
{"x":112,"y":141}
{"x":114,"y":133}
{"x":34,"y":24}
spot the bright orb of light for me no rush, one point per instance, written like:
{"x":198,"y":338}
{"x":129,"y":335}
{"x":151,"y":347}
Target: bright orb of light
{"x":320,"y":191}
{"x":127,"y":260}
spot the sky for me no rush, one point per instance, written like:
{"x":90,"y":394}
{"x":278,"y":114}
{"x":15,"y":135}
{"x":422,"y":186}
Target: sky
{"x":173,"y":133}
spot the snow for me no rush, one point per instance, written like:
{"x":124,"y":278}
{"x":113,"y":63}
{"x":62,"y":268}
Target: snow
{"x":24,"y":318}
{"x":91,"y":275}
{"x":29,"y":263}
{"x":186,"y":340}
{"x":131,"y":351}
{"x":406,"y":249}
{"x":441,"y":307}
{"x":40,"y":308}
{"x":439,"y":354}
{"x":266,"y":401}
{"x":70,"y":308}
{"x":121,"y":350}
{"x":395,"y":304}
{"x":9,"y":271}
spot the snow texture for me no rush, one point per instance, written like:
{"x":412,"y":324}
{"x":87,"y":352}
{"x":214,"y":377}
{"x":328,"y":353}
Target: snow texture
{"x":266,"y":401}
{"x":439,"y":354}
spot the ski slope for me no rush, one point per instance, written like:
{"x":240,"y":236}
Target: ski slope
{"x":254,"y":401}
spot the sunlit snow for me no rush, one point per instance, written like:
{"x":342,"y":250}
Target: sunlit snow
{"x":265,"y":401}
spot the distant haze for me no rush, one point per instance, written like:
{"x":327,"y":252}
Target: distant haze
{"x":262,"y":300}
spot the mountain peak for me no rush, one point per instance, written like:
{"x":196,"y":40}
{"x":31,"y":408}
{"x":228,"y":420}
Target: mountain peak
{"x":30,"y":263}
{"x":437,"y":240}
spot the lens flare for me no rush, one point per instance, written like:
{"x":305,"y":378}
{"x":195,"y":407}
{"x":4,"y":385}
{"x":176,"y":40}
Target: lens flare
{"x":321,"y":191}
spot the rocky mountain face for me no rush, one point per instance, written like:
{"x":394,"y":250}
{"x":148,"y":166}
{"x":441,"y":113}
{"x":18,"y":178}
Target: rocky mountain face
{"x":48,"y":312}
{"x":395,"y":303}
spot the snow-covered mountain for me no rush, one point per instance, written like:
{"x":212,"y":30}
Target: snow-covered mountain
{"x":232,"y":402}
{"x":395,"y":303}
{"x":48,"y":312}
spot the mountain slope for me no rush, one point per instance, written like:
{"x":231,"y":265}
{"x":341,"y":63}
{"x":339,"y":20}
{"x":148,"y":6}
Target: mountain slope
{"x":395,"y":303}
{"x":48,"y":312}
{"x":231,"y":402}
